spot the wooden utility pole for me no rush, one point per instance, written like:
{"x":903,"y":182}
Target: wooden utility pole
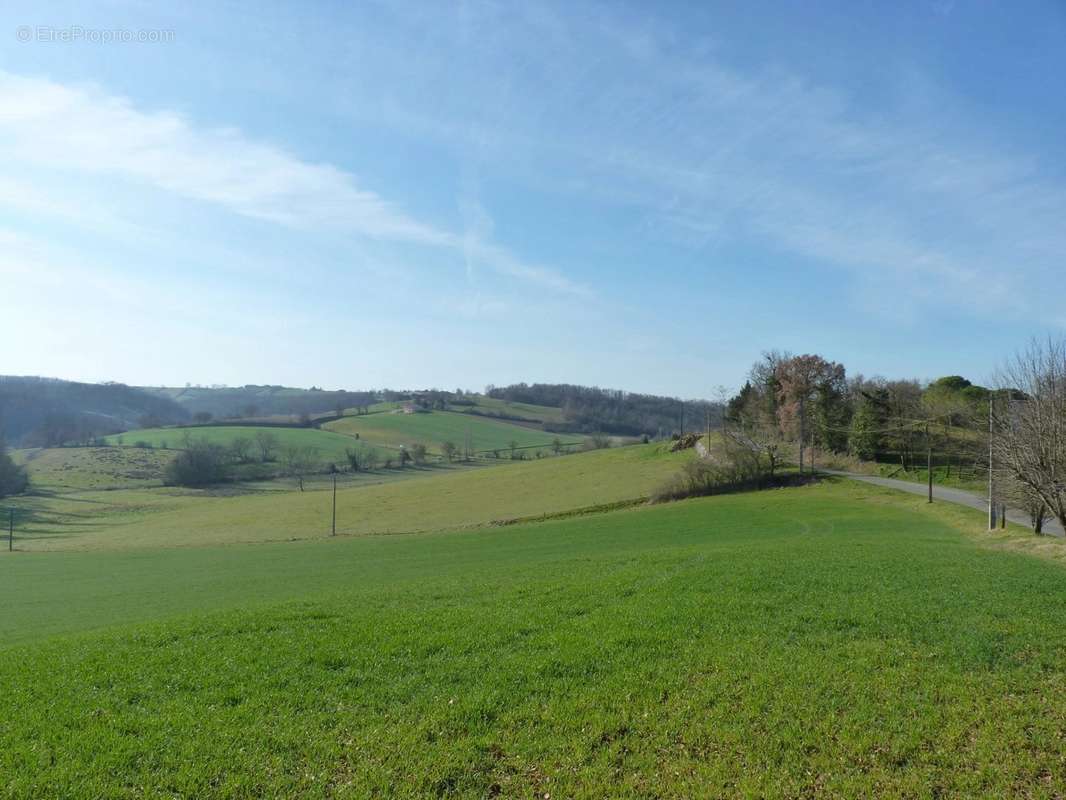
{"x":991,"y":496}
{"x":682,"y":417}
{"x":10,"y":529}
{"x":333,"y":528}
{"x":929,"y":460}
{"x":803,"y":431}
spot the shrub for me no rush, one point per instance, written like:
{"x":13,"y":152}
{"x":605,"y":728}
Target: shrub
{"x":738,"y":469}
{"x":201,"y":464}
{"x":13,"y":478}
{"x":597,"y":441}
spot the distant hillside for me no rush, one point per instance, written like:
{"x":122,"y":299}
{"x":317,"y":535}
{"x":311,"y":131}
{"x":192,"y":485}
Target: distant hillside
{"x":261,"y":401}
{"x":587,"y":409}
{"x":42,"y":412}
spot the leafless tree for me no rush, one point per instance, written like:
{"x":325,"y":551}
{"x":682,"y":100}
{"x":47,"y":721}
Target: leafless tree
{"x":1029,"y":425}
{"x":418,"y":453}
{"x":267,"y":442}
{"x":299,"y":461}
{"x":241,"y":449}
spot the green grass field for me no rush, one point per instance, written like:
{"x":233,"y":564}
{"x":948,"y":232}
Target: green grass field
{"x":835,"y":640}
{"x":65,"y":469}
{"x":435,"y":427}
{"x":330,"y":446}
{"x":434,"y":498}
{"x":528,"y":411}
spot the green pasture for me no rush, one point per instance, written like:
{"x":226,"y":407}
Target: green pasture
{"x":330,"y":446}
{"x":835,"y":640}
{"x":66,"y":469}
{"x":433,"y":498}
{"x":434,"y":427}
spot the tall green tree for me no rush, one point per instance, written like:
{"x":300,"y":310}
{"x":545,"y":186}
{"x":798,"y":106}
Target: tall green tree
{"x":864,"y":438}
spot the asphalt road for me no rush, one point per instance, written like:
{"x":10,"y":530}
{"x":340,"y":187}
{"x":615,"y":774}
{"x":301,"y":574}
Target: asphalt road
{"x":944,"y":494}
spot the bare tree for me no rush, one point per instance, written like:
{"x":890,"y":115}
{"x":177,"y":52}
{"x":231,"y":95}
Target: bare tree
{"x":241,"y":449}
{"x":449,"y":450}
{"x":1029,"y":426}
{"x":370,"y":459}
{"x":418,"y":453}
{"x":267,"y":442}
{"x":299,"y":461}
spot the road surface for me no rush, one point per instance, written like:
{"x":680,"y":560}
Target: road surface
{"x":944,"y":494}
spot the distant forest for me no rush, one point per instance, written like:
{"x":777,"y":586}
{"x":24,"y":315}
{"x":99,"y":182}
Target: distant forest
{"x":589,"y":409}
{"x":46,"y":412}
{"x":42,"y":412}
{"x":229,"y":402}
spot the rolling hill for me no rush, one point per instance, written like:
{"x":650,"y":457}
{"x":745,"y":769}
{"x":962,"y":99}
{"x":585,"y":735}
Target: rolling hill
{"x":330,"y":446}
{"x":429,"y":499}
{"x":434,"y":427}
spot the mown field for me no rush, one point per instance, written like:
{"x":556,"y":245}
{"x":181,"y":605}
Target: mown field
{"x":428,"y":499}
{"x":330,"y":446}
{"x":834,"y":640}
{"x":433,"y":428}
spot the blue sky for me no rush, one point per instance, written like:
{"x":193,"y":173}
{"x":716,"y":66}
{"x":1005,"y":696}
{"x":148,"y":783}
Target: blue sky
{"x":643,"y":196}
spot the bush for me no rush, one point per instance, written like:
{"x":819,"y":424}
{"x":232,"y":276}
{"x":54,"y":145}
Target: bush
{"x":739,"y":469}
{"x":13,"y":478}
{"x":201,"y":464}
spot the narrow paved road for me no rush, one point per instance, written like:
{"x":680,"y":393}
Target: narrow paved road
{"x":942,"y":493}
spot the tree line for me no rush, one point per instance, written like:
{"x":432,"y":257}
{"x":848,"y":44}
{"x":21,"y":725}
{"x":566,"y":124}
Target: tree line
{"x":789,"y":401}
{"x":590,"y":409}
{"x":45,"y":412}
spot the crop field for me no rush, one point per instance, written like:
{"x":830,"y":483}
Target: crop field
{"x":830,"y":640}
{"x":65,"y":469}
{"x":330,"y":446}
{"x":433,"y":428}
{"x":430,"y":499}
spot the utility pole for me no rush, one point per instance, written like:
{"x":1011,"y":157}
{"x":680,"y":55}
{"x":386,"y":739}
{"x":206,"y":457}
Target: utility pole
{"x":10,"y":529}
{"x":991,"y":500}
{"x":682,"y":417}
{"x":803,"y":419}
{"x":929,"y":460}
{"x":333,"y":529}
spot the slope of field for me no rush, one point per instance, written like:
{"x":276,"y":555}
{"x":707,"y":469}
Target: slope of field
{"x":526,"y":411}
{"x":434,"y":427}
{"x":823,"y":641}
{"x":62,"y":469}
{"x":443,"y":499}
{"x":330,"y":446}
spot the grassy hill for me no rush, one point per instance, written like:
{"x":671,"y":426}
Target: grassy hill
{"x":330,"y":446}
{"x":65,"y":469}
{"x":431,"y":499}
{"x":834,"y":640}
{"x":482,"y":404}
{"x":44,"y":412}
{"x":434,"y":427}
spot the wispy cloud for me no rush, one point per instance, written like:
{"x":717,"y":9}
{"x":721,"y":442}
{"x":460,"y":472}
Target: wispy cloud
{"x":635,"y":113}
{"x":86,"y":130}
